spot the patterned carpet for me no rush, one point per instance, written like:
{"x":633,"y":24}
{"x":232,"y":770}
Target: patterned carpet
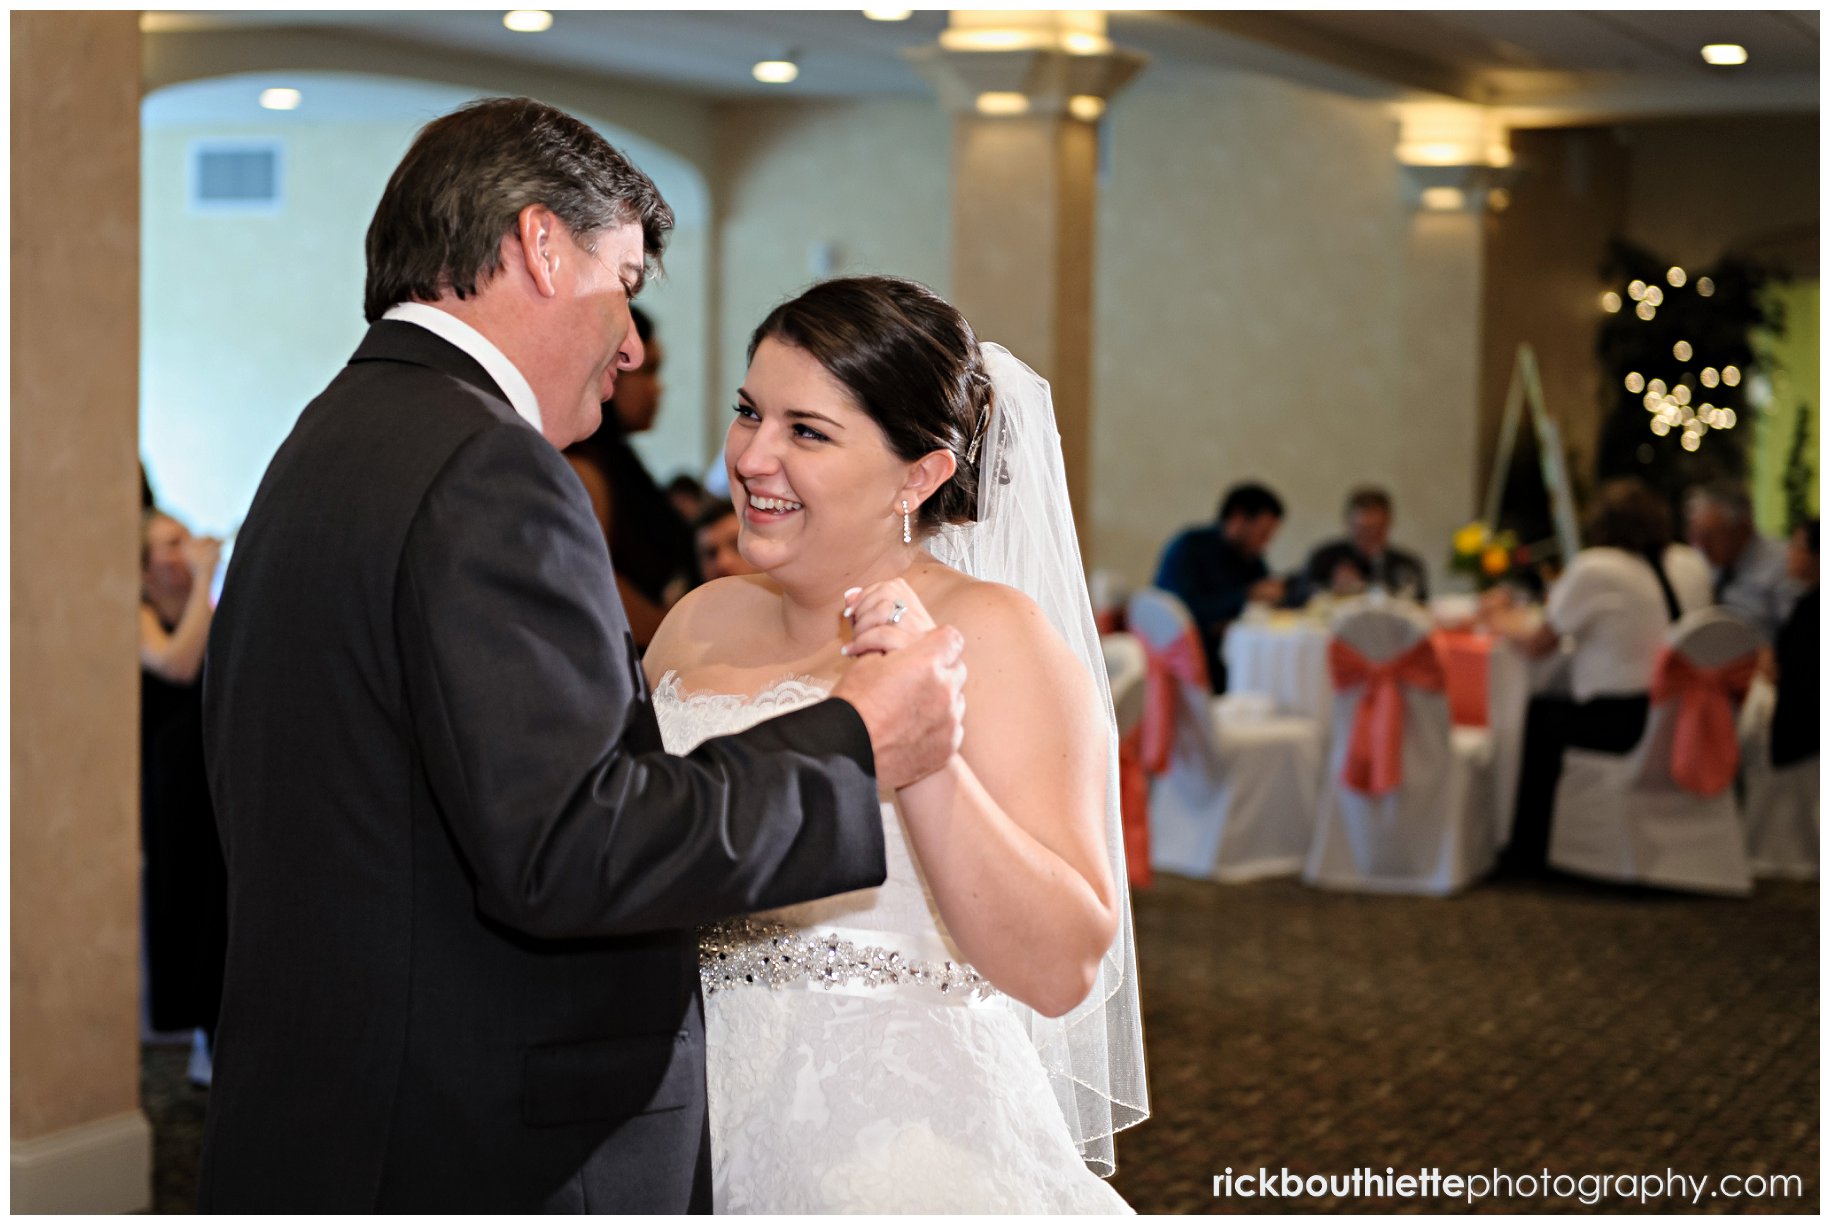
{"x":1521,"y":1028}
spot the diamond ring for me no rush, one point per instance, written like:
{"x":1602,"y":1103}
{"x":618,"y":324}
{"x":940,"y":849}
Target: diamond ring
{"x":896,"y":611}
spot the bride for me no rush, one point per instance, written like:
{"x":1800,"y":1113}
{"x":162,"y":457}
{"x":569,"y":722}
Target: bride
{"x":964,"y":1038}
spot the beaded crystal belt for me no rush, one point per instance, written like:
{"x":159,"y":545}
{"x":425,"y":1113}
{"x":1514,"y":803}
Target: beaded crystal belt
{"x":746,"y":951}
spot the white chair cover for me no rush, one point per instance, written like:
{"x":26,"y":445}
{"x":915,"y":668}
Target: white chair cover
{"x":1238,"y":798}
{"x":1432,"y":835}
{"x":1622,"y":818}
{"x":1781,"y":803}
{"x":1126,"y":669}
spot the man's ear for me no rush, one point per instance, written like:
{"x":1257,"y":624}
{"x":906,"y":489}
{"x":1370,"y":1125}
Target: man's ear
{"x":926,"y":475}
{"x":536,"y":242}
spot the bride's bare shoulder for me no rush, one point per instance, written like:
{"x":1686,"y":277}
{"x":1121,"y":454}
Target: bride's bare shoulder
{"x":711,"y":616}
{"x":995,"y":619}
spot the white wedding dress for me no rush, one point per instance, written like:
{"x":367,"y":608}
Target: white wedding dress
{"x":854,"y":1062}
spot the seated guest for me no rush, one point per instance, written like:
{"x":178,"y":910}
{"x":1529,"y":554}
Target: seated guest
{"x":715,"y":535}
{"x":1616,"y":603}
{"x":688,"y":496}
{"x":651,"y":546}
{"x":1218,"y":568}
{"x":1749,"y":571}
{"x":184,"y":884}
{"x":1365,"y":558}
{"x":1796,"y":655}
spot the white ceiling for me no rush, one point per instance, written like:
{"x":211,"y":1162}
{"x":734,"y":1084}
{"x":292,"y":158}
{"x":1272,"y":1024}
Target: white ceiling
{"x":1598,"y":64}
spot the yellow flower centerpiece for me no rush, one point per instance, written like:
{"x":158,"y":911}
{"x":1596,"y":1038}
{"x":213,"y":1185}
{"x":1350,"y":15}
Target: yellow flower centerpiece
{"x":1487,"y":555}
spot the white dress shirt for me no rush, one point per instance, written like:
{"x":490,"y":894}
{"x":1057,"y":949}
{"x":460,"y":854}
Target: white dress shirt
{"x":1610,"y":602}
{"x":514,"y":385}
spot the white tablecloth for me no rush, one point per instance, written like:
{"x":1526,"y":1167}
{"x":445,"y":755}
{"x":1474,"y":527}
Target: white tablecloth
{"x":1285,"y":658}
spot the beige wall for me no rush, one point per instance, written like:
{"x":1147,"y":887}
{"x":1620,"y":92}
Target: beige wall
{"x":869,"y":181}
{"x":75,"y":539}
{"x":1268,"y":307}
{"x":1702,"y":188}
{"x":1544,"y":283}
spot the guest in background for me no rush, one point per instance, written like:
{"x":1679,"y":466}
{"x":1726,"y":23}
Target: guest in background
{"x":688,"y":496}
{"x":1218,"y":569}
{"x":649,"y":540}
{"x":1797,"y":654}
{"x":715,"y":535}
{"x":184,"y":887}
{"x":1366,"y":557}
{"x":1616,"y":601}
{"x":1749,"y":571}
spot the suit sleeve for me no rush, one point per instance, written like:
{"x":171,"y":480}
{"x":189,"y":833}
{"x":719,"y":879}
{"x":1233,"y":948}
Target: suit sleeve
{"x":531,"y":718}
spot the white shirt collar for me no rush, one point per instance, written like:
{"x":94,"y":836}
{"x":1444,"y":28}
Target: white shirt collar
{"x":449,"y":327}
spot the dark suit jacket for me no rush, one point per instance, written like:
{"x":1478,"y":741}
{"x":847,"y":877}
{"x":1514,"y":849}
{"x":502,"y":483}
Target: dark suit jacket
{"x":463,"y":875}
{"x":1394,"y":570}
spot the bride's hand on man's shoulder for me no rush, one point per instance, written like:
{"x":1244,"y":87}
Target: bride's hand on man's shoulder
{"x":884,"y":617}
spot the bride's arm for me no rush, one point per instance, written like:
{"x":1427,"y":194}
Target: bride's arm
{"x":1011,"y":833}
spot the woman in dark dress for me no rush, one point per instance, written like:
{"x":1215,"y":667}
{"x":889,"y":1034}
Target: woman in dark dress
{"x":1797,"y":654}
{"x":184,"y":885}
{"x":651,"y":545}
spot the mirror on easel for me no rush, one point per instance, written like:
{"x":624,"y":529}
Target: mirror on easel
{"x":1529,"y":493}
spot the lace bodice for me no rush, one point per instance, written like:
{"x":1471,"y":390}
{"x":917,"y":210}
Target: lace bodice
{"x":900,"y":914}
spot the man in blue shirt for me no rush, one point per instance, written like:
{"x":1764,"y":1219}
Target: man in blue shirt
{"x":1217,"y":569}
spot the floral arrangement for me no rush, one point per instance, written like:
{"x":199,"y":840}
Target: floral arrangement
{"x":1488,"y":555}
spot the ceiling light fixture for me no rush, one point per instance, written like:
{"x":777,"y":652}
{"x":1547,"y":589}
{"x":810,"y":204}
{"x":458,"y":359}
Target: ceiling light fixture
{"x":888,"y":14}
{"x":281,"y":99}
{"x":775,"y":72}
{"x":528,"y":21}
{"x":1086,"y":107}
{"x":1725,"y":54}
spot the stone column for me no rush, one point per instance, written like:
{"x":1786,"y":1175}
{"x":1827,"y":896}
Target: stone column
{"x":1026,"y":90}
{"x":80,"y":1143}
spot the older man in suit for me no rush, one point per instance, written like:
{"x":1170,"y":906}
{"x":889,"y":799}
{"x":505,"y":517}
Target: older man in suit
{"x":463,"y":875}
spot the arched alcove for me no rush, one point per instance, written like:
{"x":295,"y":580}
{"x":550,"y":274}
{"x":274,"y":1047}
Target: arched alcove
{"x":248,"y":310}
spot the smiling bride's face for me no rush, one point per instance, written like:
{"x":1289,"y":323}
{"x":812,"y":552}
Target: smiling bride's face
{"x":814,"y":480}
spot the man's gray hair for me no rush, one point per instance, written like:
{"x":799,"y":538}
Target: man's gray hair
{"x":462,"y":185}
{"x":1731,"y":497}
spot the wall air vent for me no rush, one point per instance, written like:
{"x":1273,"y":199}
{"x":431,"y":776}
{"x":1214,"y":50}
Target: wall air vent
{"x":235,"y":176}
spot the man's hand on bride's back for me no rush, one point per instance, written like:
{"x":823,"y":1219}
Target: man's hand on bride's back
{"x":913,"y":704}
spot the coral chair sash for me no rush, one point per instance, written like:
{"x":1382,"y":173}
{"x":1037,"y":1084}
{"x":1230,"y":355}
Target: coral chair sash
{"x":1704,"y":750}
{"x":1180,"y":662}
{"x":1134,"y":807}
{"x":1375,"y":747}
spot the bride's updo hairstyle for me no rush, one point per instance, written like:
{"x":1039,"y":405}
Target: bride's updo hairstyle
{"x":911,"y":362}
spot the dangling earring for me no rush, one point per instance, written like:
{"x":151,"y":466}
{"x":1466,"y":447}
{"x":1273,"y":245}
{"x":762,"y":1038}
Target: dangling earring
{"x":906,"y":539}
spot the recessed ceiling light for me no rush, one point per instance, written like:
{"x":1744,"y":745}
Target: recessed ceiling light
{"x":1725,"y":53}
{"x":775,"y":72}
{"x":528,"y":21}
{"x":281,"y":99}
{"x":888,"y":14}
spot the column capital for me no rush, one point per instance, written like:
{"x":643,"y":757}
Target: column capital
{"x":1048,"y":78}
